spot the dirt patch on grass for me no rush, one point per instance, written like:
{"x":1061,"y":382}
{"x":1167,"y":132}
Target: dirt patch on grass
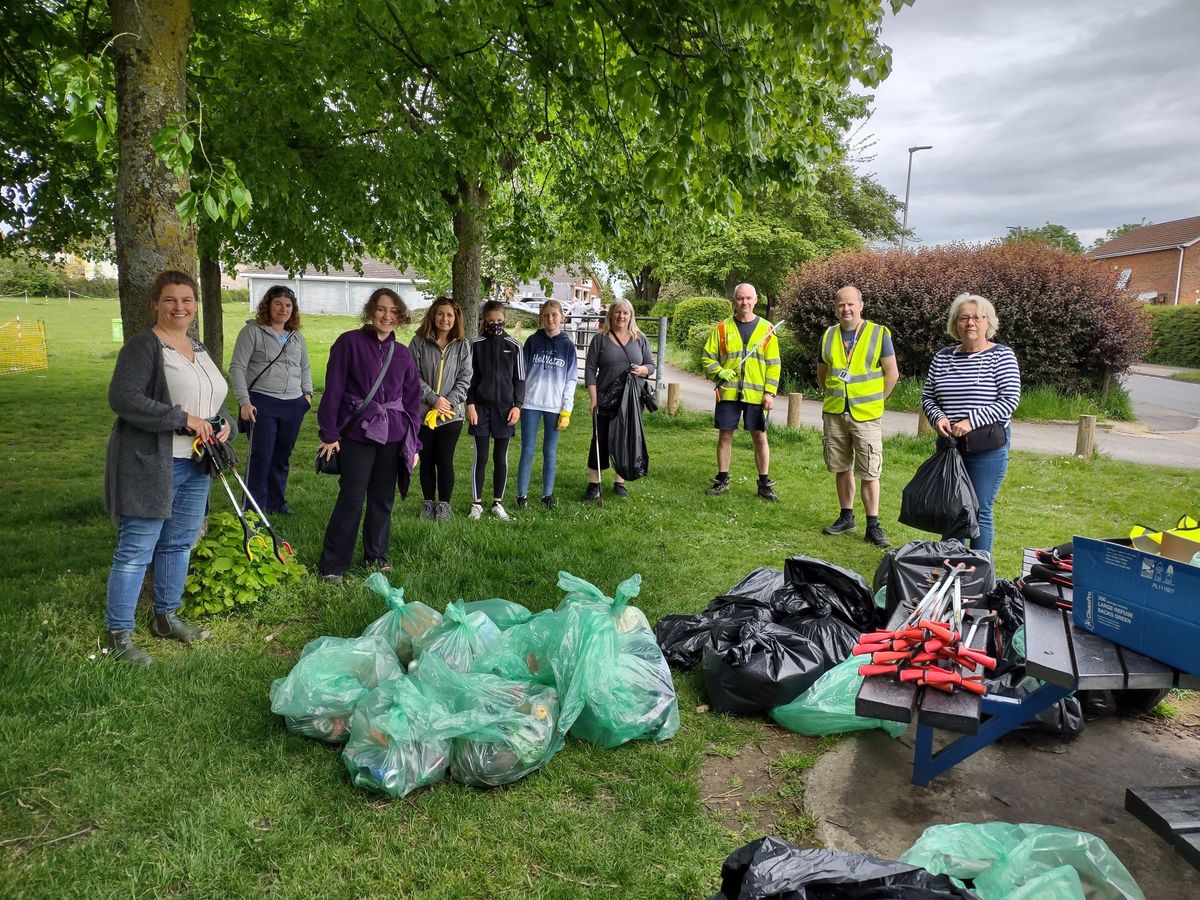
{"x":1178,"y":714}
{"x":758,"y":788}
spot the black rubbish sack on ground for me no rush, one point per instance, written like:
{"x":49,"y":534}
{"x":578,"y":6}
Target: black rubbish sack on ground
{"x":848,"y":595}
{"x":940,"y":497}
{"x":751,"y":667}
{"x":833,"y":637}
{"x":761,"y":584}
{"x":773,"y":869}
{"x":910,"y":571}
{"x":626,"y":439}
{"x":683,"y":638}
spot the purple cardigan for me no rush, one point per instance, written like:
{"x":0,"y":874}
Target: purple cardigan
{"x":354,"y":363}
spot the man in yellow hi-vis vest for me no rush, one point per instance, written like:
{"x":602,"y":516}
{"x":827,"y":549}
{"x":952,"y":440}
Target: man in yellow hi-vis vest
{"x":742,"y":356}
{"x":857,"y":371}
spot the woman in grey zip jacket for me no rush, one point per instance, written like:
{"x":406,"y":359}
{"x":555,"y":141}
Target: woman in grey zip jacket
{"x":443,"y":358}
{"x":272,"y":381}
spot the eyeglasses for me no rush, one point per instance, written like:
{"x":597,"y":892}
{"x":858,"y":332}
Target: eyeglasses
{"x":966,"y":320}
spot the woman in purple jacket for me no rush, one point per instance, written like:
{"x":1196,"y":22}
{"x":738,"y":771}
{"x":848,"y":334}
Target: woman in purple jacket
{"x":377,"y":441}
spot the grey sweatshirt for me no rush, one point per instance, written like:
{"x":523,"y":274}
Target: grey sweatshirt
{"x":456,"y":373}
{"x":256,"y":346}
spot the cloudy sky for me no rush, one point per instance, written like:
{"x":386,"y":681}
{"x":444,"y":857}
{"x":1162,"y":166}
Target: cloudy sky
{"x":1085,"y":113}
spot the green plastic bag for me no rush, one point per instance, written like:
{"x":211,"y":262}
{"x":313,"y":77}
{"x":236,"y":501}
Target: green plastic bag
{"x":543,"y":650}
{"x":398,"y":742}
{"x":827,"y":707}
{"x":403,"y":622}
{"x":503,"y":613}
{"x":586,"y":595}
{"x":458,"y":639}
{"x":620,"y":688}
{"x":317,"y":697}
{"x":508,"y":728}
{"x":1024,"y":861}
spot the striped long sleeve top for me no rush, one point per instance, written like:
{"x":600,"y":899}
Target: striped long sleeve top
{"x":984,"y":386}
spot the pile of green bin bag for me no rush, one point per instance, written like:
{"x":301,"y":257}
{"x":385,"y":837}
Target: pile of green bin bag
{"x":485,"y":692}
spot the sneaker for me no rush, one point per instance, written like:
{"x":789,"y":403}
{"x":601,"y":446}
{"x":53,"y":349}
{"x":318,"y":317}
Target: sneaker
{"x":498,"y":511}
{"x":476,"y":511}
{"x":592,"y":493}
{"x":718,"y":486}
{"x":876,"y":536}
{"x":841,"y":526}
{"x":522,"y":502}
{"x":619,"y":489}
{"x":170,"y":627}
{"x":442,"y":511}
{"x":122,"y":647}
{"x":380,"y":565}
{"x":549,"y":502}
{"x":767,"y":492}
{"x":427,"y":509}
{"x":330,"y":579}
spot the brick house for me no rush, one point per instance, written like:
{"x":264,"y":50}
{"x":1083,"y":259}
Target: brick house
{"x":1160,"y":263}
{"x":570,"y":286}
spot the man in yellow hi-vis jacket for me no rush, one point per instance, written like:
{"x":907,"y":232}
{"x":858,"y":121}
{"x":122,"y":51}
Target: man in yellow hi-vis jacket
{"x":742,"y":356}
{"x":857,"y":371}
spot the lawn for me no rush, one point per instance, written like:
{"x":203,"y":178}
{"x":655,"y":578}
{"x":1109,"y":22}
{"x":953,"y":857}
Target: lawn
{"x":179,"y":778}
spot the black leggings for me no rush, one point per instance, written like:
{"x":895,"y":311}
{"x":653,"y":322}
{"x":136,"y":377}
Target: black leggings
{"x":499,"y":466}
{"x":437,"y":459}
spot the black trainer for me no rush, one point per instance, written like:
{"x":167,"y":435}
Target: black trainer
{"x":549,"y":502}
{"x":592,"y":493}
{"x":767,"y":492}
{"x":619,"y":489}
{"x":876,"y":536}
{"x":718,"y":486}
{"x":522,"y":502}
{"x":843,"y":524}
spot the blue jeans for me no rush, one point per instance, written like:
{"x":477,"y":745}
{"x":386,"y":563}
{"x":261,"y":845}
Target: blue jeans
{"x":166,"y":542}
{"x":986,"y":471}
{"x":276,"y":427}
{"x":529,"y":429}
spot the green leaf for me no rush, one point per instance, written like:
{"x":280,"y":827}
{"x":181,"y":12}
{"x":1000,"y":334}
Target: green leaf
{"x":210,"y":207}
{"x":186,"y":142}
{"x":222,"y":564}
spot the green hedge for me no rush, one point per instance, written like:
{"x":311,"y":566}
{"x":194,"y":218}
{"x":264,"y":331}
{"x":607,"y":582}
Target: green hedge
{"x":697,"y":311}
{"x":1176,"y":336}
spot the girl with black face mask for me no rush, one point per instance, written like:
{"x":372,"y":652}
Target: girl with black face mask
{"x":494,"y":401}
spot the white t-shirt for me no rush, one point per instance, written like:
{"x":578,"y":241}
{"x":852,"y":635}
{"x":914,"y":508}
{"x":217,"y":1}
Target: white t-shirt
{"x":196,"y":386}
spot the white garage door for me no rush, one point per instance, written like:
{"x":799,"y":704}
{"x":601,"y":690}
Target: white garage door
{"x":323,"y":297}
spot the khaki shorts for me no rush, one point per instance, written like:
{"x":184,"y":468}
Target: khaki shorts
{"x":850,"y":444}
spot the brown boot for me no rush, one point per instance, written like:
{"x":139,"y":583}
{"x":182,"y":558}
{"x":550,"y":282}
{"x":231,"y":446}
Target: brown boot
{"x":171,"y":627}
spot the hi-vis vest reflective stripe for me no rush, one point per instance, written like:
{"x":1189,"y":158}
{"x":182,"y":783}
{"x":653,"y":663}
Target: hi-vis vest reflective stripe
{"x":759,"y":375}
{"x":864,"y":389}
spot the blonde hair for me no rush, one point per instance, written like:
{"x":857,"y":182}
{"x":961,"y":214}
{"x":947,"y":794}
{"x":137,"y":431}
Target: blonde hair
{"x":985,"y":307}
{"x":634,"y":331}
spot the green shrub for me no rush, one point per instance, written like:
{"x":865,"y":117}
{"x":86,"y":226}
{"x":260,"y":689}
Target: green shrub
{"x":696,"y":311}
{"x":663,"y":308}
{"x":694,"y":342}
{"x":221,"y":577}
{"x":797,"y":362}
{"x":1175,"y":340}
{"x":238,"y":297}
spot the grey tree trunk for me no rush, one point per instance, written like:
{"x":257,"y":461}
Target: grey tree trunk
{"x":465,"y":268}
{"x":150,"y":55}
{"x":210,"y":301}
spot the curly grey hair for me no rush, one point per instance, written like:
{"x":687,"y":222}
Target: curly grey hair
{"x":982,"y":304}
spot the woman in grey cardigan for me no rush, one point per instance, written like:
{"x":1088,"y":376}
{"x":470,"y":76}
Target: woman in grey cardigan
{"x":165,"y":388}
{"x":272,"y":382}
{"x":443,"y":358}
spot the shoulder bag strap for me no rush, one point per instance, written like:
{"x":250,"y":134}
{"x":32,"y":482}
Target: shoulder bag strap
{"x":282,"y":350}
{"x":374,"y":388}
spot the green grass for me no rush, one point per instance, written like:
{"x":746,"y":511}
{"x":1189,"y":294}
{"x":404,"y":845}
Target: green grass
{"x":179,"y":779}
{"x":1187,"y":376}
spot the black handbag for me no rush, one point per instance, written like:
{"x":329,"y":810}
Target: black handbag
{"x":649,"y":400}
{"x":985,"y":437}
{"x":333,"y":464}
{"x":246,"y":426}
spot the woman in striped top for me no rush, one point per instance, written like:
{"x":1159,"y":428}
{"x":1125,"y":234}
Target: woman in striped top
{"x":975,"y":385}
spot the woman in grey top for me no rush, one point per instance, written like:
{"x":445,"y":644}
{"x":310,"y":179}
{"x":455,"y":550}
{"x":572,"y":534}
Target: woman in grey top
{"x":165,"y":389}
{"x":619,"y":347}
{"x":272,"y":381}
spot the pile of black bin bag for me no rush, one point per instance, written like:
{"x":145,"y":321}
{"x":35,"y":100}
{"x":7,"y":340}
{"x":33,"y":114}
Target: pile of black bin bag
{"x":772,"y":635}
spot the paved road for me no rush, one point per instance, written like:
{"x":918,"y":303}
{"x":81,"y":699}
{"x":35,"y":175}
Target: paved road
{"x":1127,"y":440}
{"x":1163,"y":404}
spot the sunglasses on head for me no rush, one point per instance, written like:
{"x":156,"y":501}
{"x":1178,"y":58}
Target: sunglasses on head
{"x":281,"y":292}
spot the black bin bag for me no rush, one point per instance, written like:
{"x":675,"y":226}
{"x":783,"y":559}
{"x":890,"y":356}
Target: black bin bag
{"x":753,"y":666}
{"x":773,"y":869}
{"x":626,"y":438}
{"x":683,"y":638}
{"x":940,"y":497}
{"x":848,"y":596}
{"x":910,"y":571}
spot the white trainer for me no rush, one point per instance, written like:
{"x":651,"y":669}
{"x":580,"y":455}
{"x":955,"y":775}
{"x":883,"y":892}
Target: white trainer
{"x":499,"y":512}
{"x":476,"y":511}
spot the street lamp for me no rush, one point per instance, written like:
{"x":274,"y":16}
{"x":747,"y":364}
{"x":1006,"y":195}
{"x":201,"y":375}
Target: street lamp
{"x":907,"y":186}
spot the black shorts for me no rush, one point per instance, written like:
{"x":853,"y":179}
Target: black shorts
{"x":493,"y":422}
{"x":729,"y":412}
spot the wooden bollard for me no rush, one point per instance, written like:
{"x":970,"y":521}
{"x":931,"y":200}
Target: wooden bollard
{"x":672,"y":398}
{"x":1085,"y":438}
{"x":795,"y":401}
{"x":923,"y":426}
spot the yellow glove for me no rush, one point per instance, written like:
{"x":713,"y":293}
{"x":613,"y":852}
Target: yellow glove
{"x":433,"y":418}
{"x":564,"y":419}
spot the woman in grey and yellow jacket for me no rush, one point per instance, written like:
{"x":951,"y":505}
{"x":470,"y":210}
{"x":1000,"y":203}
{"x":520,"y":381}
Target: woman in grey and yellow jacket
{"x":272,"y":381}
{"x":443,"y":358}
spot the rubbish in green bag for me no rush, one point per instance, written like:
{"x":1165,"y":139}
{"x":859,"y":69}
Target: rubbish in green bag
{"x":621,"y":686}
{"x":318,"y":695}
{"x":403,"y":622}
{"x":1024,"y":861}
{"x":509,"y":728}
{"x":587,"y":595}
{"x":395,"y":743}
{"x":503,"y":613}
{"x":827,"y":707}
{"x":459,"y":638}
{"x":543,"y":650}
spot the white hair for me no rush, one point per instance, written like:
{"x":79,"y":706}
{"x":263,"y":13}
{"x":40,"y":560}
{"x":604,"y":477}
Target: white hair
{"x":985,"y":307}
